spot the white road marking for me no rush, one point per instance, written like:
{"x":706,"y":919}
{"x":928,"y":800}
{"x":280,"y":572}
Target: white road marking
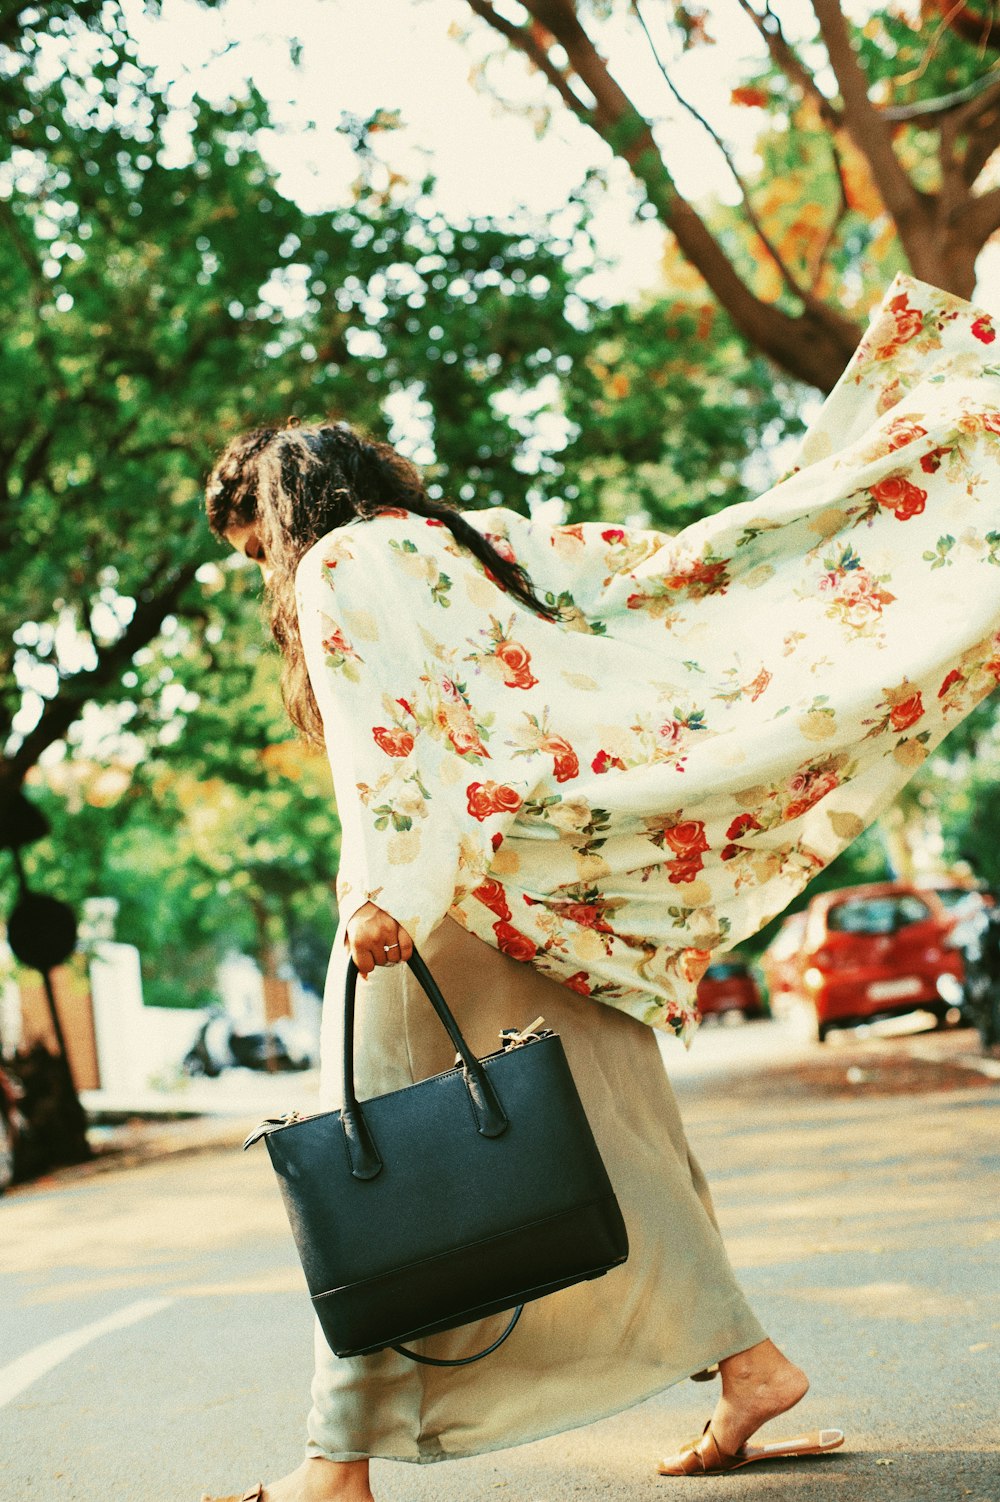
{"x":20,"y":1374}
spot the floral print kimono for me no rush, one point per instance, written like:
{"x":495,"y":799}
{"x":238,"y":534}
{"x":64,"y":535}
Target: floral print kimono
{"x":614,"y":796}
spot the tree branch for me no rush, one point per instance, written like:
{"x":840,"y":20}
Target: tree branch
{"x":156,"y":599}
{"x":980,"y":216}
{"x":982,"y":126}
{"x":865,"y":123}
{"x":787,"y":59}
{"x":926,"y":108}
{"x":814,"y":347}
{"x":756,"y":223}
{"x":525,"y":41}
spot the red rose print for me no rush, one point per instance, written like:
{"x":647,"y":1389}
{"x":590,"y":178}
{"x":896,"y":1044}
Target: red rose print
{"x":902,"y":716}
{"x":983,"y":330}
{"x":909,"y":321}
{"x":635,"y":602}
{"x":953,"y":677}
{"x":393,"y":742}
{"x":506,"y":799}
{"x":496,"y":841}
{"x":405,"y":705}
{"x":688,"y":838}
{"x":486,"y":798}
{"x":613,"y":534}
{"x":604,"y":761}
{"x":517,"y":945}
{"x":566,"y":765}
{"x":579,"y":982}
{"x":432,"y":521}
{"x":587,"y":914}
{"x":811,"y":786}
{"x":730,"y":852}
{"x":465,"y":738}
{"x":337,"y":642}
{"x":741,"y":825}
{"x":905,"y":498}
{"x":517,"y":665}
{"x":931,"y":462}
{"x":902,"y":432}
{"x":991,"y":422}
{"x":682,"y":871}
{"x":455,"y":719}
{"x":492,"y":895}
{"x":701,"y":576}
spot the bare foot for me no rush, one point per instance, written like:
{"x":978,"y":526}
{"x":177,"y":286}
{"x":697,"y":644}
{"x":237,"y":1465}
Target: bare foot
{"x":316,"y":1480}
{"x":757,"y":1385}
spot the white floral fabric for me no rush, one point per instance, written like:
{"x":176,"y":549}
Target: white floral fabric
{"x":614,"y":796}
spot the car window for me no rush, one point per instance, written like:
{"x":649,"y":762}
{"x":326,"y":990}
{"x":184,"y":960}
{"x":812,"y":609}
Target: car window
{"x":953,"y":897}
{"x":876,"y":915}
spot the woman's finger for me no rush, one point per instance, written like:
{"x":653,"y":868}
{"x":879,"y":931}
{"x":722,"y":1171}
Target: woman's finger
{"x":363,"y":958}
{"x":375,"y":938}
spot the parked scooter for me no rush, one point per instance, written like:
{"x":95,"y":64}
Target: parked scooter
{"x":978,"y":937}
{"x":220,"y":1045}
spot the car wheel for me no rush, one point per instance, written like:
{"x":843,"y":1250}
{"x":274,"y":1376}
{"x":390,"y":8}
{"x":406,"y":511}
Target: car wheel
{"x":823,"y":1030}
{"x":6,"y":1155}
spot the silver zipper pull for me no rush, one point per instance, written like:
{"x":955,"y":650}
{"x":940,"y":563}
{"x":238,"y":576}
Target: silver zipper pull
{"x":526,"y":1035}
{"x":272,"y":1124}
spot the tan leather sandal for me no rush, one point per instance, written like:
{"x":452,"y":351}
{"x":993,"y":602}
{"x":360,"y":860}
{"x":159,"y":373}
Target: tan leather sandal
{"x":252,"y":1494}
{"x":704,"y":1456}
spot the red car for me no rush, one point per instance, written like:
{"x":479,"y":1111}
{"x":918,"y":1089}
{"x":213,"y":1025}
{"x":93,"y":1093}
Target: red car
{"x":877,"y":951}
{"x":728,"y":986}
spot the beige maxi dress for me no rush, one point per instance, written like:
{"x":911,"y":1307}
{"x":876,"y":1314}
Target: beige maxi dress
{"x":673,"y":1309}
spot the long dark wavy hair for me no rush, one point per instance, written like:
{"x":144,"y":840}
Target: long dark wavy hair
{"x":296,"y":484}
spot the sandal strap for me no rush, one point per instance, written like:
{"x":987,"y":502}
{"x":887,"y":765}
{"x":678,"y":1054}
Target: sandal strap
{"x":703,"y":1455}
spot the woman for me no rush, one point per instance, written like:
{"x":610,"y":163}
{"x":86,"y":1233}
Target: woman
{"x":570,"y":762}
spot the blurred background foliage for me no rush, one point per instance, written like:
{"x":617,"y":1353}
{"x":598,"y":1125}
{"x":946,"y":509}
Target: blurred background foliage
{"x":161,"y":294}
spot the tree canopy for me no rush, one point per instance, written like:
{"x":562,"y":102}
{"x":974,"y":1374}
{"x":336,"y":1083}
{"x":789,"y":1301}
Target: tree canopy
{"x":162,"y":294}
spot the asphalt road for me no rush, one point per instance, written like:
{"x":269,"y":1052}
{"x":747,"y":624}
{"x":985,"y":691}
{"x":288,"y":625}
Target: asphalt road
{"x":155,"y":1337}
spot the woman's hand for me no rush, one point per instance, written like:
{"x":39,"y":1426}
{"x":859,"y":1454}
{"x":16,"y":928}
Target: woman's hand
{"x":375,"y":938}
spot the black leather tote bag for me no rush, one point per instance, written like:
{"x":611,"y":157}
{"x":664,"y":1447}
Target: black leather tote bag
{"x":460,"y":1196}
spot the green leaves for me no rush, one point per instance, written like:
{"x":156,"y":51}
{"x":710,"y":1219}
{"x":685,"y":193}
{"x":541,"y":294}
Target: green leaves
{"x":939,"y":557}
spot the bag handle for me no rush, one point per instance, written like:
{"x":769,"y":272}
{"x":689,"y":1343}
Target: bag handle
{"x":463,"y":1360}
{"x":490,"y":1118}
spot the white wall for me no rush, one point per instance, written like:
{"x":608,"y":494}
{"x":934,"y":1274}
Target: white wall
{"x":136,"y":1045}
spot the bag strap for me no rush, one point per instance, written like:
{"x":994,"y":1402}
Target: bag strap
{"x":491,"y":1121}
{"x":463,"y":1360}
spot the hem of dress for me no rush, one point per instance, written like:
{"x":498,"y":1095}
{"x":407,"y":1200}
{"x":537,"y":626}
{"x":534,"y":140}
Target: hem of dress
{"x":317,"y":1452}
